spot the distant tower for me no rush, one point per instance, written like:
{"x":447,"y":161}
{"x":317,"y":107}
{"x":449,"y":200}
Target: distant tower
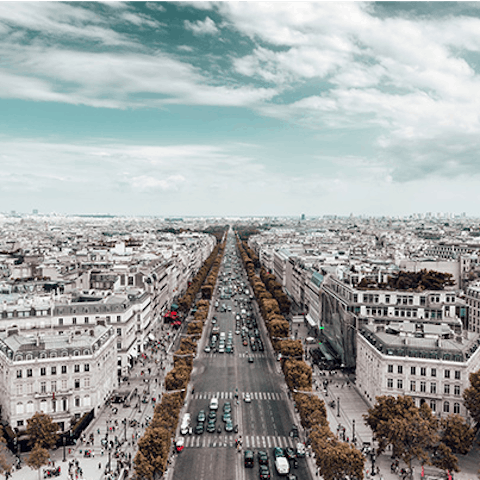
{"x":35,"y":211}
{"x":302,"y":217}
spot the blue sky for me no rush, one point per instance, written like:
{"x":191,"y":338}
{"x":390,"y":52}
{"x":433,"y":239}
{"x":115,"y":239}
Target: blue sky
{"x":249,"y":108}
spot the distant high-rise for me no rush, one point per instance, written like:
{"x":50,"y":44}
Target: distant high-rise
{"x":35,"y":211}
{"x":302,"y":217}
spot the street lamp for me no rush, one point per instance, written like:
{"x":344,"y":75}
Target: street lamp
{"x":372,"y":456}
{"x":353,"y":431}
{"x":64,"y":457}
{"x":338,"y":406}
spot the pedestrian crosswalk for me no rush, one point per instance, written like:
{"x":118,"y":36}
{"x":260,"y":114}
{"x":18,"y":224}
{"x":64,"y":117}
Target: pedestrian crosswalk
{"x":249,"y":441}
{"x":241,"y":395}
{"x":240,"y":355}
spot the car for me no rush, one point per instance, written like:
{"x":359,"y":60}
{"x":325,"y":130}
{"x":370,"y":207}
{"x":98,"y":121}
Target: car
{"x":261,"y":348}
{"x":212,"y":415}
{"x":278,"y":452}
{"x":227,"y":417}
{"x":291,"y":476}
{"x":199,"y":428}
{"x":221,"y":349}
{"x":207,"y":349}
{"x":245,"y":343}
{"x":300,"y":450}
{"x":211,"y":426}
{"x":253,"y":347}
{"x":294,"y":431}
{"x":227,"y":407}
{"x":214,"y":404}
{"x":180,"y":444}
{"x":262,"y":457}
{"x":248,"y":459}
{"x":250,"y":360}
{"x":264,"y":472}
{"x":229,"y":349}
{"x":229,"y":426}
{"x":201,"y":416}
{"x":290,"y":453}
{"x":247,"y":398}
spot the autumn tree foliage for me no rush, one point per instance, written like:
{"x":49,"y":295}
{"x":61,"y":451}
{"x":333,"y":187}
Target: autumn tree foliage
{"x":298,"y":374}
{"x":290,"y":348}
{"x":339,"y":460}
{"x":42,"y":431}
{"x":195,"y":328}
{"x":151,"y":458}
{"x":456,"y":434}
{"x":38,"y":457}
{"x":411,"y":431}
{"x":471,"y":396}
{"x":5,"y":463}
{"x":311,"y":409}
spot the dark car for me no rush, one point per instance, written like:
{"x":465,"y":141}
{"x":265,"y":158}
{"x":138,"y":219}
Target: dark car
{"x":290,"y":453}
{"x":227,"y":407}
{"x":264,"y":472}
{"x":278,"y":452}
{"x":262,"y":458}
{"x":248,"y":459}
{"x":211,"y":427}
{"x":212,"y":415}
{"x":199,"y":428}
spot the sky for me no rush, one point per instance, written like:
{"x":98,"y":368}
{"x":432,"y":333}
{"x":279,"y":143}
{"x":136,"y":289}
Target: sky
{"x":240,"y":109}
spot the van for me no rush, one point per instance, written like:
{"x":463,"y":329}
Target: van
{"x":214,"y":404}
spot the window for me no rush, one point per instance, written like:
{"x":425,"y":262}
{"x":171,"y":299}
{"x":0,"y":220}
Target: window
{"x":423,"y":371}
{"x":413,"y":370}
{"x":54,"y":370}
{"x":119,"y":331}
{"x":119,"y":318}
{"x":413,"y":386}
{"x":86,"y":382}
{"x":433,"y":387}
{"x":86,"y":367}
{"x":446,"y":389}
{"x":43,"y":387}
{"x":64,"y":384}
{"x":390,"y":383}
{"x":76,"y":368}
{"x":77,"y":383}
{"x":19,"y":389}
{"x":423,"y":386}
{"x":433,"y":405}
{"x":400,"y":384}
{"x":86,"y":319}
{"x":456,"y":390}
{"x":434,"y":372}
{"x":390,"y":368}
{"x":64,"y":369}
{"x":456,"y":407}
{"x":457,"y":374}
{"x":43,"y":371}
{"x":74,"y":320}
{"x":60,"y":321}
{"x":53,"y":386}
{"x":19,"y":374}
{"x":77,"y":401}
{"x":446,"y":407}
{"x":29,"y":372}
{"x":119,"y":345}
{"x":19,"y":423}
{"x":447,"y":373}
{"x":108,"y":319}
{"x":29,"y":388}
{"x":400,"y":369}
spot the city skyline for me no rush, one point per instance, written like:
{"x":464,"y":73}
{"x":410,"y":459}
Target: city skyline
{"x":239,"y":109}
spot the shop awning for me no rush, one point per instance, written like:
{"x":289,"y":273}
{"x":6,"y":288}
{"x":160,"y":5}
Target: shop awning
{"x":311,"y":321}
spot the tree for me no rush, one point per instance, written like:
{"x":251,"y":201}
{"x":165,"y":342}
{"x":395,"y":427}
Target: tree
{"x":339,"y":460}
{"x":471,"y":396}
{"x":42,"y":431}
{"x":5,"y":465}
{"x":411,"y":431}
{"x":38,"y":457}
{"x":445,"y":459}
{"x":298,"y":374}
{"x":456,"y":434}
{"x":152,"y":455}
{"x":291,"y":348}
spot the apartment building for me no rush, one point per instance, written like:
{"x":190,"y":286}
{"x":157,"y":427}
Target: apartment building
{"x":430,"y":363}
{"x":64,"y":376}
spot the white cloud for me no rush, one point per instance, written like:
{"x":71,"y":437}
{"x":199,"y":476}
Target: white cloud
{"x":207,"y":27}
{"x":113,"y":79}
{"x":57,"y":19}
{"x":155,"y":6}
{"x":145,"y":182}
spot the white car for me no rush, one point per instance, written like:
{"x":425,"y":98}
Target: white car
{"x":248,"y":398}
{"x":207,"y":349}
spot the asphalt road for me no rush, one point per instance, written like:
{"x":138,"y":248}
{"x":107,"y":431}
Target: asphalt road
{"x":263,"y":424}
